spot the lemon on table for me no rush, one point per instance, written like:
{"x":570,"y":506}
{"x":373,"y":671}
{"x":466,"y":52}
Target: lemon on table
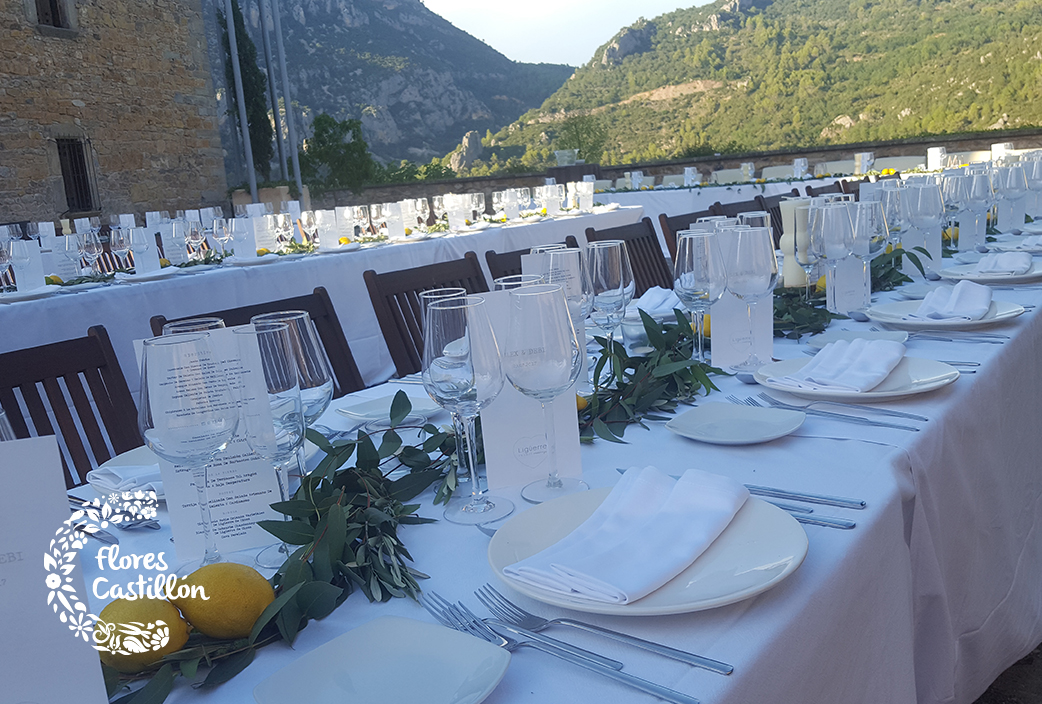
{"x":820,"y":286}
{"x":344,"y":240}
{"x":580,"y":402}
{"x":705,"y":325}
{"x":262,"y":251}
{"x":164,"y":263}
{"x":237,"y":594}
{"x":53,"y":280}
{"x":159,"y":618}
{"x":408,"y":231}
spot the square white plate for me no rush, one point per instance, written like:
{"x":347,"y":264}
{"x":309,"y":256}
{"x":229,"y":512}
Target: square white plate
{"x":380,"y":408}
{"x":730,"y":424}
{"x":390,"y":660}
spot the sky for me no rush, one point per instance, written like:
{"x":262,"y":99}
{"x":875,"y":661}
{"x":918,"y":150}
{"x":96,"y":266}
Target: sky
{"x":549,"y":31}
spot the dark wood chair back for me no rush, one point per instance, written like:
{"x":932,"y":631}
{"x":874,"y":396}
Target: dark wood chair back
{"x":772,"y":205}
{"x":675,"y":223}
{"x":650,"y":267}
{"x":853,"y":188}
{"x":835,"y":187}
{"x":732,"y":210}
{"x":102,"y":420}
{"x":508,"y":263}
{"x":346,"y":377}
{"x":396,"y":300}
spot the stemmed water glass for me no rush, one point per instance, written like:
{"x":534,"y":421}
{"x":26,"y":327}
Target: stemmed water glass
{"x":194,"y":238}
{"x":564,"y":266}
{"x":699,"y":278}
{"x":120,"y":245}
{"x":73,"y":250}
{"x":542,"y":359}
{"x":1011,"y":185}
{"x":92,"y":250}
{"x":378,"y":216}
{"x":752,"y":273}
{"x":5,"y":264}
{"x":187,"y":413}
{"x":283,"y":230}
{"x":273,"y":421}
{"x":923,"y":208}
{"x":222,"y":233}
{"x":606,"y":273}
{"x":309,"y":227}
{"x":463,"y":373}
{"x":806,"y":257}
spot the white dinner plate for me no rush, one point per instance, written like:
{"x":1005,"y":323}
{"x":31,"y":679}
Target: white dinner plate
{"x":818,"y":341}
{"x":199,"y":268}
{"x":966,"y":271}
{"x":85,"y":286}
{"x":138,"y":457}
{"x":911,"y":376}
{"x":291,"y":256}
{"x":32,"y":295}
{"x":252,"y":261}
{"x":349,"y":247}
{"x":387,"y":661}
{"x":607,"y":207}
{"x":759,"y":548}
{"x":893,"y":314}
{"x":380,"y":408}
{"x":1010,"y":245}
{"x":916,"y":292}
{"x":730,"y":424}
{"x":476,"y":227}
{"x":164,"y":273}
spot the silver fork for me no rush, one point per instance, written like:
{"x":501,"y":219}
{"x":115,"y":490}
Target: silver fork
{"x":573,"y":650}
{"x":510,"y":612}
{"x":868,"y":409}
{"x":857,"y":420}
{"x":458,"y":617}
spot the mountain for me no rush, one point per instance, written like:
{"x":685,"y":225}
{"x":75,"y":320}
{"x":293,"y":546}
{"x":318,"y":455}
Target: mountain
{"x":740,"y":75}
{"x":416,"y":81}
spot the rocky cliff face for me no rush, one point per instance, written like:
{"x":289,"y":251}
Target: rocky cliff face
{"x":417,"y":82}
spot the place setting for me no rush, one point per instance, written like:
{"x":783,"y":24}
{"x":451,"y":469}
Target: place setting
{"x":965,"y":306}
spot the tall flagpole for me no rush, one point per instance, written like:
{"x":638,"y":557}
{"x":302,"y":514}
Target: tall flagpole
{"x":275,"y":11}
{"x":244,"y":124}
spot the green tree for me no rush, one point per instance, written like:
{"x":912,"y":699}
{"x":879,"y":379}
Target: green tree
{"x":337,"y":157}
{"x":254,"y":89}
{"x":585,"y":133}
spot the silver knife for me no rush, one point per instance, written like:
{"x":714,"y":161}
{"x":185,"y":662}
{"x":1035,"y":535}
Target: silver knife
{"x":102,"y":535}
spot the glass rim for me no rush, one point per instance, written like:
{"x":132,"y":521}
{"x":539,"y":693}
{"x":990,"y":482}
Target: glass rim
{"x":537,"y":290}
{"x":178,"y":338}
{"x":532,"y":279}
{"x":172,"y":325}
{"x":454,"y":302}
{"x":446,"y":292}
{"x":250,"y":328}
{"x":280,"y":316}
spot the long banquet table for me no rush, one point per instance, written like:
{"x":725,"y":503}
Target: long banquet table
{"x":931,"y":596}
{"x":125,"y":310}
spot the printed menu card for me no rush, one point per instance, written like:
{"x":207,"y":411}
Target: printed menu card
{"x":242,"y":485}
{"x":45,"y":658}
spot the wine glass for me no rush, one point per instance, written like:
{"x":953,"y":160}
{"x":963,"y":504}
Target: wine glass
{"x":477,"y":204}
{"x":120,"y":245}
{"x":606,"y":273}
{"x":699,"y":278}
{"x":313,"y":368}
{"x":187,"y":413}
{"x":194,"y":238}
{"x":923,"y":209}
{"x":273,"y":422}
{"x":378,"y":216}
{"x":437,"y":294}
{"x":73,"y":251}
{"x":283,"y":230}
{"x":752,"y":273}
{"x":542,"y":360}
{"x":509,"y":283}
{"x":870,"y":231}
{"x":92,"y":250}
{"x":498,"y":205}
{"x":423,"y":210}
{"x":5,"y":265}
{"x":308,"y":227}
{"x":360,"y":219}
{"x":222,"y":233}
{"x":1011,"y":185}
{"x":463,"y":373}
{"x":33,"y":230}
{"x":564,"y":267}
{"x":755,"y":218}
{"x":6,"y":431}
{"x":175,"y":327}
{"x":978,"y":197}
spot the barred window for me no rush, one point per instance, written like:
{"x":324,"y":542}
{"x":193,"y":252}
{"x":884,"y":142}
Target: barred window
{"x":51,"y":13}
{"x":79,"y":192}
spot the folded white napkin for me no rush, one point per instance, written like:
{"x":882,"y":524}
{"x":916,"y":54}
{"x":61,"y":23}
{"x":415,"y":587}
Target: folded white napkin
{"x":647,"y":531}
{"x":657,"y":302}
{"x":1026,"y":243}
{"x":966,"y":301}
{"x":856,"y":365}
{"x":1004,"y":264}
{"x":128,"y":478}
{"x":1033,"y":227}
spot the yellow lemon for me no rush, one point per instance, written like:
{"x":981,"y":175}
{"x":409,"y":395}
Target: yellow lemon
{"x":705,"y":325}
{"x":344,"y":240}
{"x":580,"y":402}
{"x":164,"y":263}
{"x":262,"y":251}
{"x":235,"y":596}
{"x":53,"y":280}
{"x":408,"y":231}
{"x":820,"y":286}
{"x":163,"y":632}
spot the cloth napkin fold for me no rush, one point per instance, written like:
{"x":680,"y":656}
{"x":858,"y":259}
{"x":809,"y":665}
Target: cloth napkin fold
{"x":1004,"y":264}
{"x":966,"y":301}
{"x":1027,"y":243}
{"x":856,"y":365}
{"x":1033,"y":227}
{"x":657,"y":302}
{"x":128,"y":478}
{"x":646,"y":532}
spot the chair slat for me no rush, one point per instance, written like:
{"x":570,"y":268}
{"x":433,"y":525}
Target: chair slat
{"x":67,"y":426}
{"x":91,"y":428}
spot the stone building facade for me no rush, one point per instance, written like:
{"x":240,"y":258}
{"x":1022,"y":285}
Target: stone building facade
{"x":106,"y":106}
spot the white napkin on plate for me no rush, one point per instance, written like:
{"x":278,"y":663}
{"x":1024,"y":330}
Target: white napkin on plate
{"x":1034,"y":227}
{"x":1004,"y":264}
{"x":1026,"y":243}
{"x":127,"y":478}
{"x":657,"y":302}
{"x":966,"y":301}
{"x":647,"y":531}
{"x":856,"y":365}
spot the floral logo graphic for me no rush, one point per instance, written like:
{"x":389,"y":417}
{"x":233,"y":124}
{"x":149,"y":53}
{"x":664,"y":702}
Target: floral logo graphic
{"x":69,"y":539}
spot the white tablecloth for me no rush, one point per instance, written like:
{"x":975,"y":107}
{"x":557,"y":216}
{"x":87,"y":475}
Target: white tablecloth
{"x":125,"y":310}
{"x":927,"y":600}
{"x":676,"y":201}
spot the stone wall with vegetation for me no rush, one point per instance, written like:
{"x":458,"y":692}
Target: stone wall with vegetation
{"x":130,"y":78}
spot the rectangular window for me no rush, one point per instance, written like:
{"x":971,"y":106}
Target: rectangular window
{"x":72,"y":155}
{"x":51,"y":13}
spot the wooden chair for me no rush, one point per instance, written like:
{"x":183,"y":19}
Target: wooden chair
{"x":732,"y":210}
{"x":673,"y":224}
{"x":396,"y":300}
{"x":102,"y":412}
{"x":346,"y":377}
{"x":507,"y":263}
{"x":772,"y":204}
{"x":835,"y":187}
{"x":650,"y":268}
{"x":853,"y":187}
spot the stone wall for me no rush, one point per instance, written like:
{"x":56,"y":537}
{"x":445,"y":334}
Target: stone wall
{"x":132,"y":80}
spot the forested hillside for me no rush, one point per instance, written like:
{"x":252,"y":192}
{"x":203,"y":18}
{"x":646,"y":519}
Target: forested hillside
{"x":756,"y":74}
